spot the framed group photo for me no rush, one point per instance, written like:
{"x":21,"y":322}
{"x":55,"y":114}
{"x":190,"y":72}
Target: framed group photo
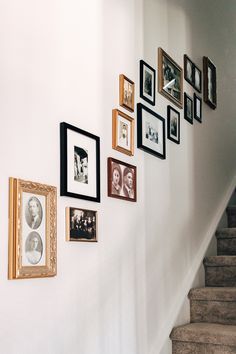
{"x":122,"y":132}
{"x":81,"y":224}
{"x":197,"y":108}
{"x":122,"y":180}
{"x":32,"y":230}
{"x":173,"y":125}
{"x":80,"y":163}
{"x":147,"y":82}
{"x":151,"y":131}
{"x":170,"y":83}
{"x":192,"y":74}
{"x":209,"y":70}
{"x":188,"y":108}
{"x":126,"y":92}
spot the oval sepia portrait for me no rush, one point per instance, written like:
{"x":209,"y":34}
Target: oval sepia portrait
{"x":33,"y":213}
{"x":33,"y":248}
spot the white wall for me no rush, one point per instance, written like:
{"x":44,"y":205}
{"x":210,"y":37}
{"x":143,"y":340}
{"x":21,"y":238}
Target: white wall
{"x":60,"y":61}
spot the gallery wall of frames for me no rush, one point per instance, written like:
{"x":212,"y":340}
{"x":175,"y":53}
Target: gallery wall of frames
{"x":32,"y":206}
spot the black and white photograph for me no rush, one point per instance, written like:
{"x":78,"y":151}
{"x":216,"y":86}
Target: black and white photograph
{"x":147,"y":82}
{"x":197,"y":108}
{"x":122,"y":132}
{"x":151,"y":131}
{"x":170,"y":78}
{"x":210,"y":95}
{"x":188,"y":108}
{"x":127,"y":87}
{"x":81,"y":224}
{"x":34,"y":248}
{"x":173,"y":125}
{"x":197,"y":79}
{"x":192,"y":74}
{"x":121,"y":180}
{"x":33,"y":212}
{"x":80,"y":163}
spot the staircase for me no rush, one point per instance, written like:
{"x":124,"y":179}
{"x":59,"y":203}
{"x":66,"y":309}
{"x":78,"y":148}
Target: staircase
{"x":213,"y":309}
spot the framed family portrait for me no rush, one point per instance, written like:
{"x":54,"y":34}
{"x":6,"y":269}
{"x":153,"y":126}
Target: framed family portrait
{"x":80,"y":163}
{"x":192,"y":74}
{"x":170,"y":82}
{"x":81,"y":225}
{"x":122,"y":180}
{"x":173,"y":125}
{"x":32,"y":230}
{"x":188,"y":108}
{"x":126,"y":93}
{"x":197,"y":108}
{"x":209,"y":92}
{"x":147,"y":82}
{"x":122,"y":132}
{"x":151,"y":131}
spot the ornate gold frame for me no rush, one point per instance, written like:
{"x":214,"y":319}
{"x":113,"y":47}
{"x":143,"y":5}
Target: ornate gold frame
{"x":122,"y":79}
{"x":15,"y":268}
{"x":115,"y":142}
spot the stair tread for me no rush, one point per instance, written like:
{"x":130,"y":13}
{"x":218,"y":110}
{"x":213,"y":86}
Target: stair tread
{"x":228,"y":232}
{"x":220,"y":261}
{"x":213,"y":294}
{"x":210,"y":333}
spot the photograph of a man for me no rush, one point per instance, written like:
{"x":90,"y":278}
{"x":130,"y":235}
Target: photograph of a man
{"x":33,"y":247}
{"x":128,"y":178}
{"x":33,"y":213}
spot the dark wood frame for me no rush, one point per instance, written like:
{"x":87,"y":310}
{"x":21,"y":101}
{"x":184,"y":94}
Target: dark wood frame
{"x":169,"y":109}
{"x":109,"y":179}
{"x":186,"y":96}
{"x":195,"y":98}
{"x":63,"y":162}
{"x":194,"y":68}
{"x":142,"y":64}
{"x":140,"y":108}
{"x":161,"y":55}
{"x":68,"y":236}
{"x":207,"y":63}
{"x":122,"y":78}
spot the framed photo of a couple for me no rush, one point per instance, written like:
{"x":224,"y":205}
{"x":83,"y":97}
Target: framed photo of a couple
{"x":122,"y":180}
{"x":122,"y":132}
{"x":32,"y":230}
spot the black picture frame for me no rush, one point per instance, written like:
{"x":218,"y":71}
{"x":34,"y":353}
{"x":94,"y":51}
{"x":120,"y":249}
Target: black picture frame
{"x":147,"y":82}
{"x":173,"y":124}
{"x":188,"y":108}
{"x":197,"y":107}
{"x":192,"y":74}
{"x":82,"y":184}
{"x":151,"y":132}
{"x":209,"y":86}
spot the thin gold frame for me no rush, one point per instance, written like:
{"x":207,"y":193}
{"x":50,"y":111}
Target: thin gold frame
{"x":115,"y":145}
{"x":68,"y":238}
{"x":15,"y":268}
{"x":122,"y":79}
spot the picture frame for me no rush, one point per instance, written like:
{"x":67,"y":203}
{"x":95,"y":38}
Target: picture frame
{"x":127,"y":91}
{"x":173,"y":124}
{"x":188,"y":108}
{"x":32,"y":230}
{"x":81,"y":225}
{"x":209,"y":86}
{"x":151,"y":131}
{"x":170,"y":78}
{"x":122,"y":132}
{"x":192,"y":74}
{"x":122,"y":180}
{"x":79,"y":163}
{"x":197,"y":107}
{"x":147,"y":82}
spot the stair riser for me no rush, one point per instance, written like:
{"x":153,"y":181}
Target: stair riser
{"x":226,"y":247}
{"x":198,"y":348}
{"x":213,"y":311}
{"x":231,"y":218}
{"x":220,"y":276}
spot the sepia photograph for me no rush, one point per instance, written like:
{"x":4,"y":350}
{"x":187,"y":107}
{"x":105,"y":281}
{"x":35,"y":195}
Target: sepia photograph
{"x":173,"y":125}
{"x":210,"y":95}
{"x":147,"y":82}
{"x":197,"y":108}
{"x":126,"y":92}
{"x":81,"y":225}
{"x":122,"y":132}
{"x":121,"y":180}
{"x":33,"y":212}
{"x":188,"y":108}
{"x":33,"y":247}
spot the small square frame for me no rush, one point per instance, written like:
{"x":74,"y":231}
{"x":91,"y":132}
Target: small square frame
{"x":81,"y":225}
{"x":127,"y":91}
{"x":122,"y":132}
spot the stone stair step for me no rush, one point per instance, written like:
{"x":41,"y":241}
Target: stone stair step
{"x":216,"y":305}
{"x":220,"y":271}
{"x":204,"y":338}
{"x":231,"y":215}
{"x":226,"y":241}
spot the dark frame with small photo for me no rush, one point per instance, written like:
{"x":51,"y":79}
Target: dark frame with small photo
{"x":122,"y":132}
{"x":192,"y":74}
{"x":170,"y":78}
{"x":209,"y":92}
{"x":81,"y":225}
{"x":147,"y":82}
{"x":188,"y":111}
{"x":173,"y":125}
{"x":127,"y":91}
{"x":151,"y":132}
{"x":79,"y":163}
{"x":122,"y":180}
{"x":197,"y":107}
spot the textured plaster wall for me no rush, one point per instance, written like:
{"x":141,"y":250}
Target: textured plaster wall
{"x":60,"y":61}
